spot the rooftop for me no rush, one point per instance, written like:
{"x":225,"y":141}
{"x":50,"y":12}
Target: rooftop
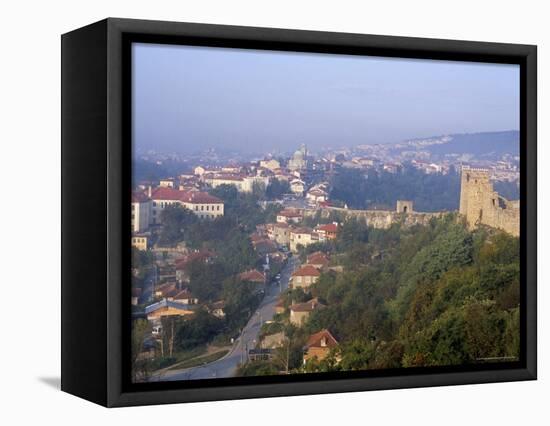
{"x":306,"y":271}
{"x":317,"y":258}
{"x":323,"y":339}
{"x":308,"y":306}
{"x":164,"y":303}
{"x":193,"y":197}
{"x":329,"y":227}
{"x":252,"y":275}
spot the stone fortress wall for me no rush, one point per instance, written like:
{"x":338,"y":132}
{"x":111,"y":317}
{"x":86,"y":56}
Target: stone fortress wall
{"x":479,"y":204}
{"x":382,"y":219}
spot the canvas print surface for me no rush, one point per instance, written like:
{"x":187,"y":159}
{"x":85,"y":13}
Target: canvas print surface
{"x":298,"y":213}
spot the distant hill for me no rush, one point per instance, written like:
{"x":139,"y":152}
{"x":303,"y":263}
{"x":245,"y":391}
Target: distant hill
{"x":479,"y":144}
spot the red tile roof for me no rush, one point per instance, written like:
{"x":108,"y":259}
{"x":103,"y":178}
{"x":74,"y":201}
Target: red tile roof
{"x":253,"y":276}
{"x":166,"y":193}
{"x":329,"y":227}
{"x":302,"y":230}
{"x":194,"y":197}
{"x":315,"y":340}
{"x":308,"y":306}
{"x":317,"y":258}
{"x":306,"y":271}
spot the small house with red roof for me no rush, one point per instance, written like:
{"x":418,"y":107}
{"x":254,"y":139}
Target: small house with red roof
{"x":302,"y":237}
{"x":328,"y":231}
{"x":253,"y":276}
{"x":318,"y":259}
{"x":289,"y":216}
{"x":299,"y":312}
{"x":304,"y":277}
{"x":319,"y":345}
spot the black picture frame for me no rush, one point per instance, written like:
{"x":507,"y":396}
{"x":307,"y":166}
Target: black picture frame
{"x":96,"y":174}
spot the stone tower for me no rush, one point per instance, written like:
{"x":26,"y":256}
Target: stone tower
{"x":474,"y":189}
{"x":404,"y":206}
{"x":481,"y":204}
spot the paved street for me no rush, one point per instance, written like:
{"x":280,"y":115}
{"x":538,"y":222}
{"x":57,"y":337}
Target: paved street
{"x":227,"y":366}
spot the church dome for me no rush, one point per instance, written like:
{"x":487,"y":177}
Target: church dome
{"x":298,"y":155}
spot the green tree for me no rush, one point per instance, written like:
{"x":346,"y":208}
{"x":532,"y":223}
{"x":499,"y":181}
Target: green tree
{"x":197,"y":330}
{"x":175,"y":219}
{"x":140,"y":330}
{"x":276,"y":189}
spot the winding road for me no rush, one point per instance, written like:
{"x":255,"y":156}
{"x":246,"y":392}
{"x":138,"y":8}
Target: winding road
{"x":227,"y":365}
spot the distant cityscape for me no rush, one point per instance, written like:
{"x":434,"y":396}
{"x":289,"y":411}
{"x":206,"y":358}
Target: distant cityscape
{"x":429,"y":155}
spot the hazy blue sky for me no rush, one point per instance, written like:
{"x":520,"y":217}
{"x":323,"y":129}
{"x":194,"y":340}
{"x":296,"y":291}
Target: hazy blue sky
{"x":189,"y":98}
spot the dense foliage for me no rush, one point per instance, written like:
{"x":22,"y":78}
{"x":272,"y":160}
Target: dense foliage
{"x":437,"y":295}
{"x":277,"y":188}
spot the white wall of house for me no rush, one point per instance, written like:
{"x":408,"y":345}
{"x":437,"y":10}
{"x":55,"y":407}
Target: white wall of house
{"x":141,"y":216}
{"x":206,"y":211}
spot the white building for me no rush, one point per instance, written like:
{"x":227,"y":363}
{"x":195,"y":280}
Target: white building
{"x":302,"y":237}
{"x":242,"y":183}
{"x":167,"y":183}
{"x":141,"y":212}
{"x":316,"y":196}
{"x":202,"y":204}
{"x":297,"y":186}
{"x":299,"y":160}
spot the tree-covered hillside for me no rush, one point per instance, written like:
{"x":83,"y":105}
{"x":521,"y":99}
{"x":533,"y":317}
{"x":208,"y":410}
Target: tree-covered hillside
{"x":424,"y":296}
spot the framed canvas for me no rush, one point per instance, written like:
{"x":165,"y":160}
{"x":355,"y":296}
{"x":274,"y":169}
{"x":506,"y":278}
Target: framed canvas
{"x":255,"y":212}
